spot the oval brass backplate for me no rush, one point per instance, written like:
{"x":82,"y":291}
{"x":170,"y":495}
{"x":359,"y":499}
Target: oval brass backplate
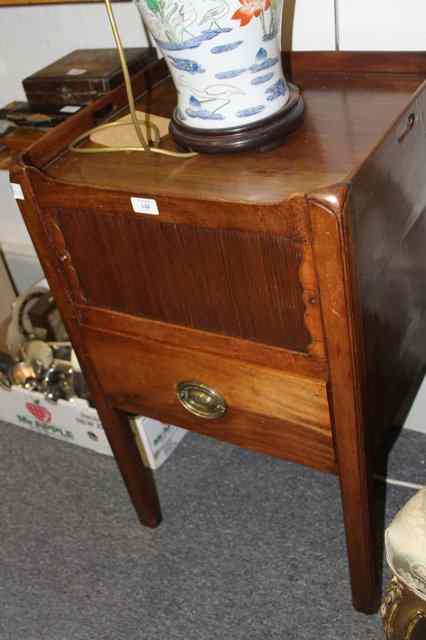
{"x":200,"y":399}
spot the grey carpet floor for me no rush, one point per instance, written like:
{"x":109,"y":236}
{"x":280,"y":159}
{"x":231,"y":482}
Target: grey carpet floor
{"x":250,"y":548}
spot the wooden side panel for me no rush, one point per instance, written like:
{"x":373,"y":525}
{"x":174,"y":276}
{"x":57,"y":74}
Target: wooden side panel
{"x":388,"y":211}
{"x":251,"y":285}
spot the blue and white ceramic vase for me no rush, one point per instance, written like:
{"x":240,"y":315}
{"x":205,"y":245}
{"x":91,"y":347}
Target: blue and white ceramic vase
{"x":225,"y":59}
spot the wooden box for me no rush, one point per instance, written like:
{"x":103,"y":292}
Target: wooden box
{"x":282,"y":293}
{"x":82,"y":76}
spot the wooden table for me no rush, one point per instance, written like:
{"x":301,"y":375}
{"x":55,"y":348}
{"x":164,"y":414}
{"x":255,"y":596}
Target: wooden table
{"x":286,"y":282}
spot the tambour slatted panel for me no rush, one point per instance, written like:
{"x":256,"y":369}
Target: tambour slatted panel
{"x":239,"y":283}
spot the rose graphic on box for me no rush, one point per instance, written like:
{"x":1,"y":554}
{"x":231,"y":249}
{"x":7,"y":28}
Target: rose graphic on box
{"x":41,"y":414}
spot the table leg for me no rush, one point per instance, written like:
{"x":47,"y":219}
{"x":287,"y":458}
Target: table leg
{"x":340,"y":313}
{"x":138,"y":477}
{"x":65,"y":287}
{"x":359,"y":519}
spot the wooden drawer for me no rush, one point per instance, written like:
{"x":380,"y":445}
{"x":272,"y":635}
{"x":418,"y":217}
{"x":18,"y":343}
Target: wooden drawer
{"x":267,"y":410}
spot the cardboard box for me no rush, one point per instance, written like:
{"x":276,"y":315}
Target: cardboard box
{"x":78,"y":423}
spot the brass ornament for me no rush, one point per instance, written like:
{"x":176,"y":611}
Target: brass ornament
{"x":201,"y":400}
{"x":401,"y":611}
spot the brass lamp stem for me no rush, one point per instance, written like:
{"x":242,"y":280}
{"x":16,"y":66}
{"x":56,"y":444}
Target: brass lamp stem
{"x":126,"y":75}
{"x":151,"y":127}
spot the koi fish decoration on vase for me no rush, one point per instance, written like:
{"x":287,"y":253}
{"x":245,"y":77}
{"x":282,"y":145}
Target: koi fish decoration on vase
{"x":225,"y":60}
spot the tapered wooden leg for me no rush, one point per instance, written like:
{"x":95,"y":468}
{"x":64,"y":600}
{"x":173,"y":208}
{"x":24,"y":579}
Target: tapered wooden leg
{"x":139,"y":478}
{"x":359,"y":519}
{"x":64,"y":284}
{"x":343,"y":341}
{"x":402,"y":613}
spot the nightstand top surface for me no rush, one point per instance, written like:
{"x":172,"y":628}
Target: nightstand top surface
{"x":346,"y":116}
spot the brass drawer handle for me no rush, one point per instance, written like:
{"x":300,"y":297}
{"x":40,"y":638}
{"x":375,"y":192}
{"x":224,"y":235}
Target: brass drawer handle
{"x":201,"y":400}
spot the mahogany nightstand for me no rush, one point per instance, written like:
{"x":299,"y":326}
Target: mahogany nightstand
{"x":276,"y":300}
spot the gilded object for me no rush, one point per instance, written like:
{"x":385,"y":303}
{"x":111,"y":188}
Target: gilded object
{"x":401,"y":612}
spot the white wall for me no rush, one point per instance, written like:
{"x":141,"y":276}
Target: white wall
{"x":15,"y":243}
{"x":382,"y":25}
{"x":313,"y":28}
{"x":34,"y":36}
{"x":416,"y":419}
